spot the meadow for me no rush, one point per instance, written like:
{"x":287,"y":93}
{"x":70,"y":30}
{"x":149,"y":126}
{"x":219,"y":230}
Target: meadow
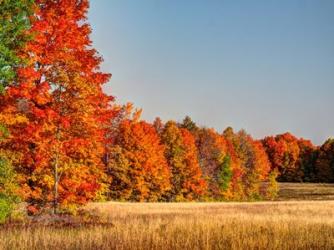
{"x":297,"y":224}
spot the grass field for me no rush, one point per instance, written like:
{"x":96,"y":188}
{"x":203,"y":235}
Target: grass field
{"x":306,"y":191}
{"x":261,"y":225}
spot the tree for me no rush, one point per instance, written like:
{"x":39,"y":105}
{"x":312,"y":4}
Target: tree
{"x":158,"y":125}
{"x":246,"y":154}
{"x":261,"y":171}
{"x":238,"y":171}
{"x":283,"y":151}
{"x":225,"y":173}
{"x":306,"y":160}
{"x":262,"y":165}
{"x":56,"y":112}
{"x":8,"y":182}
{"x":254,"y":165}
{"x":213,"y":156}
{"x":181,"y":155}
{"x":14,"y":23}
{"x":236,"y":190}
{"x":273,"y":188}
{"x":189,"y":124}
{"x":194,"y":185}
{"x":324,"y":165}
{"x":137,"y":166}
{"x":8,"y":188}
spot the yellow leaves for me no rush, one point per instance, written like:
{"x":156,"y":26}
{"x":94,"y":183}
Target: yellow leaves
{"x":48,"y":181}
{"x":13,"y":119}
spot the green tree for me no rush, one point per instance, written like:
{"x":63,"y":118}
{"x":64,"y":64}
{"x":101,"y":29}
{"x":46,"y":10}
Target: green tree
{"x":225,"y":173}
{"x":189,"y":124}
{"x":14,"y":22}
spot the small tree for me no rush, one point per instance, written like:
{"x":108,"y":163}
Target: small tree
{"x":189,"y":124}
{"x":273,"y":188}
{"x":8,"y":189}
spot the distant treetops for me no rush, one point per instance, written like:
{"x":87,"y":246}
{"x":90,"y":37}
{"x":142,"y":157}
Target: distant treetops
{"x":64,"y":142}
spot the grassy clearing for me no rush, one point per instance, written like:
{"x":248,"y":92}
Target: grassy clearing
{"x":262,"y":225}
{"x":306,"y":191}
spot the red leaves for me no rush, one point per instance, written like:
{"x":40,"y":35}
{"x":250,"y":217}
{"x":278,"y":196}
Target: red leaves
{"x":65,"y":122}
{"x":28,"y":73}
{"x":38,"y":113}
{"x":89,"y":187}
{"x":59,"y":94}
{"x":288,"y":155}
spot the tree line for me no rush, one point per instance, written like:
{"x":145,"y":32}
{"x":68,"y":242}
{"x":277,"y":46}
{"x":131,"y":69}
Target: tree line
{"x":64,"y":142}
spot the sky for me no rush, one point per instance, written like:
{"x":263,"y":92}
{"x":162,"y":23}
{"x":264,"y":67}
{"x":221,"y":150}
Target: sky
{"x":265,"y":66}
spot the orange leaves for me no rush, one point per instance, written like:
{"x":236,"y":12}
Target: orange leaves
{"x":41,"y":95}
{"x":59,"y":96}
{"x":250,"y":164}
{"x":137,"y":166}
{"x":262,"y":164}
{"x":284,"y":153}
{"x":212,"y":149}
{"x":28,"y":73}
{"x":181,"y":154}
{"x":194,"y":179}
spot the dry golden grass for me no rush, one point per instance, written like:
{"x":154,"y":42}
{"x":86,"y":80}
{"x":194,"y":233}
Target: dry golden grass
{"x":262,"y":225}
{"x":306,"y":191}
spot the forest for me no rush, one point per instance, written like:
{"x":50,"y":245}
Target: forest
{"x":64,"y":142}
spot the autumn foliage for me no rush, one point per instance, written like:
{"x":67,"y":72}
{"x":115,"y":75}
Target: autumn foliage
{"x":136,"y":164}
{"x":67,"y":142}
{"x":181,"y":154}
{"x":324,"y":164}
{"x":56,"y":109}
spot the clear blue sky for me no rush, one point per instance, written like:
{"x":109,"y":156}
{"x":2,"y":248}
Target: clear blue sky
{"x":265,"y":66}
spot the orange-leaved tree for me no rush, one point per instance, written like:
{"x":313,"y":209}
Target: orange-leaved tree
{"x":252,"y":159}
{"x":215,"y":162}
{"x":283,"y":151}
{"x":181,"y":154}
{"x":136,"y":162}
{"x":56,"y":111}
